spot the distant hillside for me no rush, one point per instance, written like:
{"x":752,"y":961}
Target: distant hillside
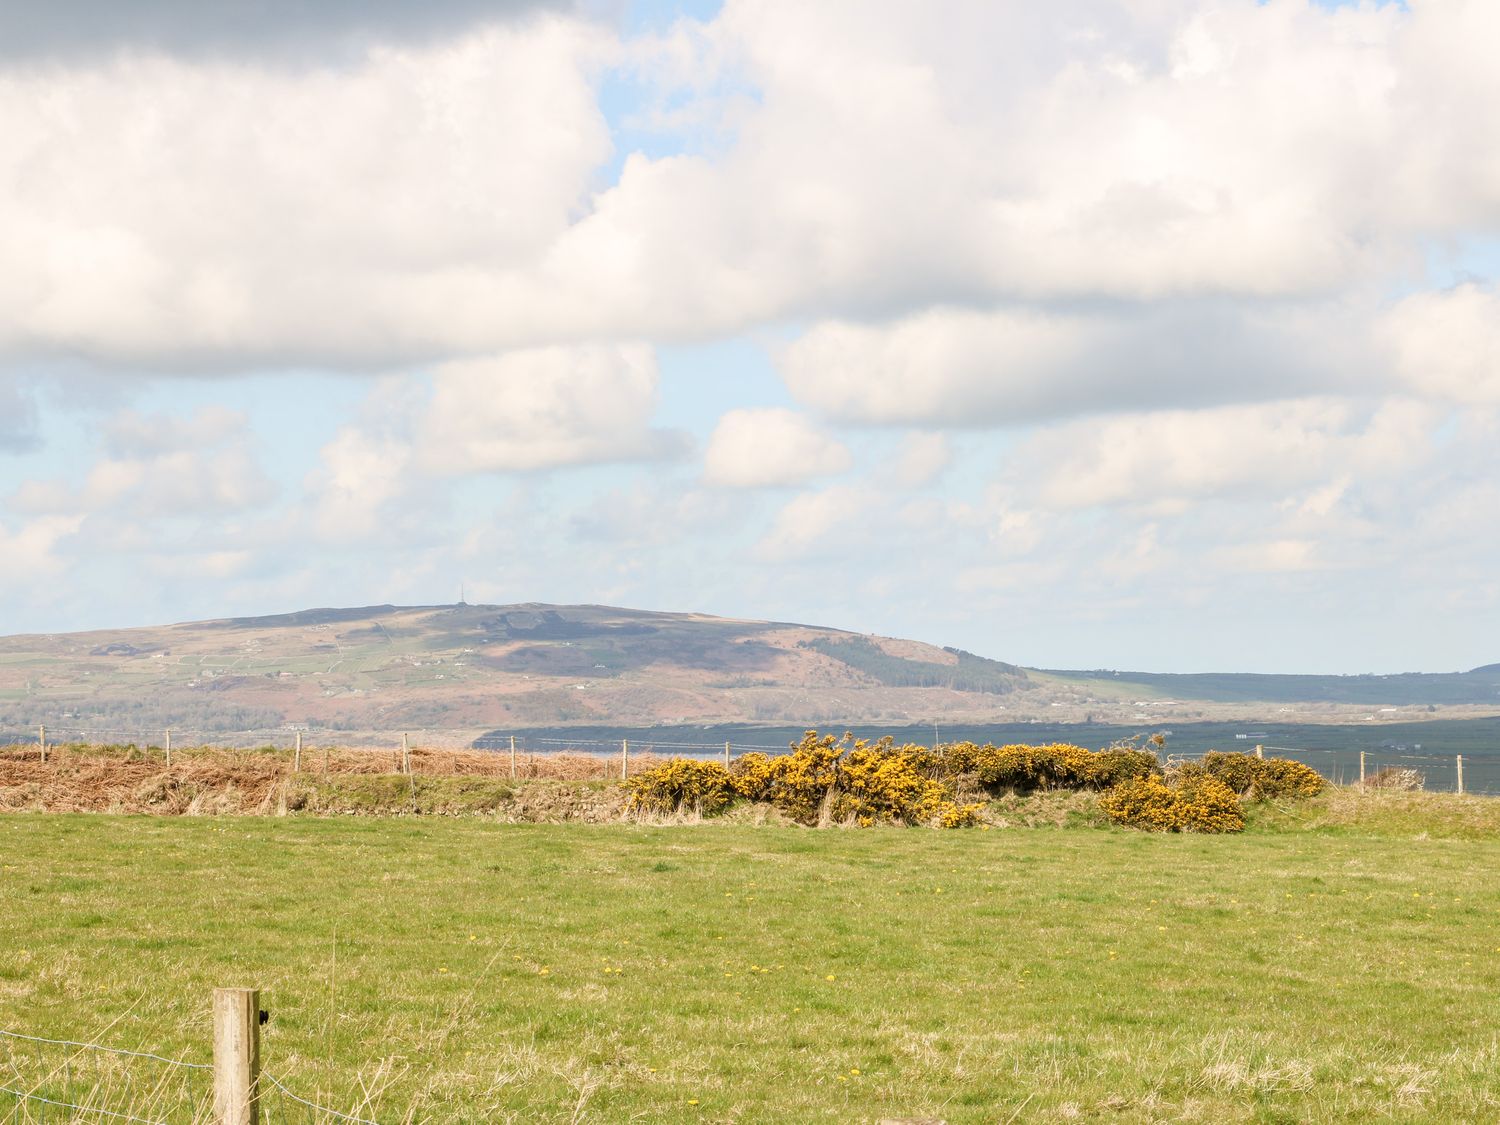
{"x":1408,"y":689}
{"x":414,"y":667}
{"x":484,"y":668}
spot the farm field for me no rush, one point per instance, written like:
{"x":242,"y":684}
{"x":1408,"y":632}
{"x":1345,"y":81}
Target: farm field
{"x":451,"y":970}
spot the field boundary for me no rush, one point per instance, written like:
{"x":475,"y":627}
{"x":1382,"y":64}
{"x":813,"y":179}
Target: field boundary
{"x":240,"y":1092}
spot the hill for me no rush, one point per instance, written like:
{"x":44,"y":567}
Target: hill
{"x":464,"y":667}
{"x":415,"y":667}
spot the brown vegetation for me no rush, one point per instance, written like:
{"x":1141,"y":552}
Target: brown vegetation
{"x":203,"y":780}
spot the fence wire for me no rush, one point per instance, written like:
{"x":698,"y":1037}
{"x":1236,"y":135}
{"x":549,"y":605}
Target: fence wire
{"x":56,"y":1074}
{"x":1435,"y":772}
{"x":95,"y":1111}
{"x":94,"y":1081}
{"x":322,"y":1109}
{"x":476,"y":738}
{"x":1438,"y":773}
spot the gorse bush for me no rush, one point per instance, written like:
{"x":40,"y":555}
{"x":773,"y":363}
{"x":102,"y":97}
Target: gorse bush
{"x":828,"y":780}
{"x":1284,"y":778}
{"x":681,"y":785}
{"x":1022,"y":769}
{"x":882,"y":783}
{"x":1197,"y":803}
{"x":1263,"y":778}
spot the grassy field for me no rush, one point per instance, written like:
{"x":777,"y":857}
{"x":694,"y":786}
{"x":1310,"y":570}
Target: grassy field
{"x":1320,"y":967}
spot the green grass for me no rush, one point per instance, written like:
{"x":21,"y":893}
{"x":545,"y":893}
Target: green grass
{"x":1076,"y":974}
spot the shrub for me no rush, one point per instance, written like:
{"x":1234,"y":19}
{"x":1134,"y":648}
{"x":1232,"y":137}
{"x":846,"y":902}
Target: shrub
{"x":1263,"y":778}
{"x":1282,"y":777}
{"x":881,"y":783}
{"x":1197,"y":803}
{"x":826,"y":780}
{"x":802,"y":781}
{"x":1234,"y":769}
{"x":681,"y":784}
{"x":1022,"y":769}
{"x":753,"y":774}
{"x":959,"y":816}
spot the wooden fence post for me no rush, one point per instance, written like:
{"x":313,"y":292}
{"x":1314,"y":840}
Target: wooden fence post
{"x":236,"y":1056}
{"x":1361,"y":767}
{"x":1260,"y":751}
{"x":624,"y":758}
{"x":512,"y":757}
{"x":726,"y":755}
{"x":1459,"y":758}
{"x":41,"y":739}
{"x":405,"y":754}
{"x":297,"y":755}
{"x":169,"y":748}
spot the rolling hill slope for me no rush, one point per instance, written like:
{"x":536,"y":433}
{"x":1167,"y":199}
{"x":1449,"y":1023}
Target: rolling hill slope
{"x":458,"y":667}
{"x":391,"y":667}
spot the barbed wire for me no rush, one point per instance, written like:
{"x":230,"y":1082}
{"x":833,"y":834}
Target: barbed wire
{"x":274,"y":1081}
{"x":106,"y":1050}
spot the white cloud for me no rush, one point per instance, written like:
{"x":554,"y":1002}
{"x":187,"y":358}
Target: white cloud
{"x":29,"y":552}
{"x":814,"y":523}
{"x":160,"y":466}
{"x":1266,"y":451}
{"x":358,"y":474}
{"x":1448,"y":344}
{"x":222,"y":213}
{"x":770,"y":447}
{"x":963,"y":367}
{"x":919,"y":461}
{"x":885,"y":159}
{"x":544,"y":408}
{"x":518,"y":412}
{"x":1275,"y":555}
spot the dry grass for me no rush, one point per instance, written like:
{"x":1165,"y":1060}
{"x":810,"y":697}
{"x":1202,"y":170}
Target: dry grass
{"x":205,"y":780}
{"x":1383,"y":812}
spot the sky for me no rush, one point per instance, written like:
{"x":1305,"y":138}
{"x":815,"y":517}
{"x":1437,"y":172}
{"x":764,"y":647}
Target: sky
{"x":1149,"y":334}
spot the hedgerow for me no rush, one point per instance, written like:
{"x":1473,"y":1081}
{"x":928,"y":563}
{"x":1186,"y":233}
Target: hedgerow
{"x":1023,"y":769}
{"x":828,"y":780}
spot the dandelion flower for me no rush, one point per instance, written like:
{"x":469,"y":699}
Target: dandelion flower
{"x":830,"y":976}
